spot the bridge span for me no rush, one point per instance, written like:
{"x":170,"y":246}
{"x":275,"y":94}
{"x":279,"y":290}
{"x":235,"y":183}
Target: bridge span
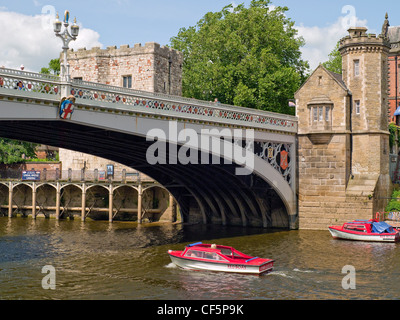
{"x":124,"y":125}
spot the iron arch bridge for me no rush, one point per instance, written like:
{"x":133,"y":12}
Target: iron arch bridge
{"x":223,"y":164}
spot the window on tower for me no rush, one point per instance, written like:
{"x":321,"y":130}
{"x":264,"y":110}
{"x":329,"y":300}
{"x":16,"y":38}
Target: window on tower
{"x":356,"y":68}
{"x":357,"y":106}
{"x":127,"y":81}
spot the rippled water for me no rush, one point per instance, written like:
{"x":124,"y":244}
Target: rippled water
{"x":123,"y":260}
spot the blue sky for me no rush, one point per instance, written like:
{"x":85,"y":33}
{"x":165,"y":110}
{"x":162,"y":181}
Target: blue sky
{"x":27,"y":37}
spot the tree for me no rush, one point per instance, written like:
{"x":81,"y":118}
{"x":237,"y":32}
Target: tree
{"x":54,"y":67}
{"x":334,"y":63}
{"x":248,"y":57}
{"x":13,"y":151}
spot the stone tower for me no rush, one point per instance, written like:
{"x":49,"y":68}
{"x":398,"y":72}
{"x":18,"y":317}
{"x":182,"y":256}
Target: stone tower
{"x":365,"y":59}
{"x":343,"y":135}
{"x":150,"y":67}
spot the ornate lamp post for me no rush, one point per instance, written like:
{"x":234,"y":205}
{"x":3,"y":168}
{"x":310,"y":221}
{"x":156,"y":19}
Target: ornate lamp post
{"x":66,"y":37}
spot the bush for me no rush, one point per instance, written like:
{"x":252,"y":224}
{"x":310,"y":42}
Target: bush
{"x":394,"y":204}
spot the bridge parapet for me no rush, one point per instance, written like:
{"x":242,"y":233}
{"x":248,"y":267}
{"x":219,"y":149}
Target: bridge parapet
{"x":29,"y":84}
{"x":179,"y":107}
{"x":49,"y":87}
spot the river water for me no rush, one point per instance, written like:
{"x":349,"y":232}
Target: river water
{"x":123,"y":260}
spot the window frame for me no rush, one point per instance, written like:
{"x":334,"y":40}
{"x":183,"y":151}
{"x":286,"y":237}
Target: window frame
{"x":127,"y":79}
{"x":357,"y":106}
{"x":356,"y":64}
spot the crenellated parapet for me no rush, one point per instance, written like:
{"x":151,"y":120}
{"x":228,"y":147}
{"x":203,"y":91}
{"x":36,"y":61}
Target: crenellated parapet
{"x":359,"y":40}
{"x":137,"y":49}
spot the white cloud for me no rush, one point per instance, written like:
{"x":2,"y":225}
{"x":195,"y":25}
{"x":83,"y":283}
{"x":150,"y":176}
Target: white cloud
{"x":30,"y":40}
{"x":321,"y":41}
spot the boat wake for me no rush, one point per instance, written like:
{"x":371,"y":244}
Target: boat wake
{"x":280,"y":273}
{"x":305,"y":271}
{"x":171,"y":265}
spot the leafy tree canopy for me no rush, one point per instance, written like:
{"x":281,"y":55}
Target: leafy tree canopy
{"x":54,"y":67}
{"x":334,"y":63}
{"x":13,"y":151}
{"x":248,"y":57}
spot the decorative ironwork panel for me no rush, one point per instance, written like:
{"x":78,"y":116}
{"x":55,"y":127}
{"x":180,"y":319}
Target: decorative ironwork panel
{"x":29,"y":82}
{"x":279,"y":156}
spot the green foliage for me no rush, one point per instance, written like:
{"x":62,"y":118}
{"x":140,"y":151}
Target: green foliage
{"x":54,"y":67}
{"x":45,"y":70}
{"x":393,"y":134}
{"x":13,"y":151}
{"x":394,"y":204}
{"x":41,"y":160}
{"x":243,"y":56}
{"x":334,"y":63}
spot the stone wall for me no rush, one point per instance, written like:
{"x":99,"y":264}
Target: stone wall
{"x":78,"y":160}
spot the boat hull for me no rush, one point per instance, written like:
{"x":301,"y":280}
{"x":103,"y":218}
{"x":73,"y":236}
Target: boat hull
{"x":340,"y":234}
{"x":222,"y":266}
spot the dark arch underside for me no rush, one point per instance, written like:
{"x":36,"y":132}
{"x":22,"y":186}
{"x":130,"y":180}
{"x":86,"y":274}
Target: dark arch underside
{"x":209,"y":193}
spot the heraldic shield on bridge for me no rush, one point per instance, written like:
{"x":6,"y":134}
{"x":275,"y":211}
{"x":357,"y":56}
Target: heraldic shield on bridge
{"x":66,"y":107}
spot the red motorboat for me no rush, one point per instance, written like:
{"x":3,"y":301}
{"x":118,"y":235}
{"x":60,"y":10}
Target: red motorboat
{"x":366,"y":230}
{"x":212,"y":257}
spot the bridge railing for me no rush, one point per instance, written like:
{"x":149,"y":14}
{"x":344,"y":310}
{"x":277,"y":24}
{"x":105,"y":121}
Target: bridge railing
{"x":48,"y":87}
{"x":96,"y":94}
{"x":29,"y":84}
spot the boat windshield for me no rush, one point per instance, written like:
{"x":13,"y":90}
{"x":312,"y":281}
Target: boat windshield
{"x":355,"y":227}
{"x":204,"y":255}
{"x":226,"y":251}
{"x":230,"y":253}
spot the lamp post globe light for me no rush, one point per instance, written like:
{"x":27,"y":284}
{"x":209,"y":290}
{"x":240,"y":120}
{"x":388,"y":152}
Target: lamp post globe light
{"x":66,"y":38}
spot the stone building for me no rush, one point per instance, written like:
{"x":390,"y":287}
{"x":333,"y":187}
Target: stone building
{"x":393,"y":34}
{"x":151,"y":67}
{"x":343,"y":140}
